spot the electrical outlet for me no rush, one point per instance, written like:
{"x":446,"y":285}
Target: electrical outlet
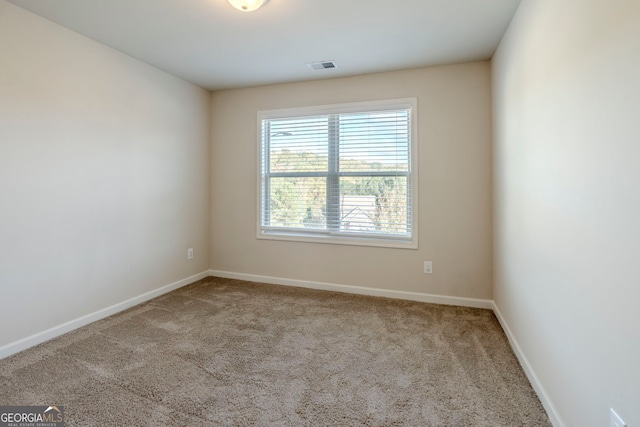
{"x":616,"y":421}
{"x":428,"y":267}
{"x":190,"y":253}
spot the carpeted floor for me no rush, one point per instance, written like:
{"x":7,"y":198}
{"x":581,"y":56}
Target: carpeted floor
{"x":227,"y":352}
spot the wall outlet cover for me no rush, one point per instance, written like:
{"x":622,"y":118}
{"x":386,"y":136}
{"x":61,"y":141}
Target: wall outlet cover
{"x":428,"y":267}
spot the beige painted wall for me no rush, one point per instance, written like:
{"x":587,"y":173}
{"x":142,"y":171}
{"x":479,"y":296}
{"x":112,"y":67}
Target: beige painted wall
{"x":454,"y":128}
{"x":104,"y":176}
{"x":567,"y":203}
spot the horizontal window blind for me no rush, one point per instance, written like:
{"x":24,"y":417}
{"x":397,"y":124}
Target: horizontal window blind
{"x":338,"y":174}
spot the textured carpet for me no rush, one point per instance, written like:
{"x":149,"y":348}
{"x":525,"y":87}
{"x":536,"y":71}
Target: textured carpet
{"x":227,"y":352}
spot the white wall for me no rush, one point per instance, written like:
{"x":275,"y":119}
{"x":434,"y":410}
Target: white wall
{"x":567,"y":202}
{"x":104,"y":176}
{"x":454,"y":128}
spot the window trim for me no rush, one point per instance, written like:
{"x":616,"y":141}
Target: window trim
{"x":322,"y":236}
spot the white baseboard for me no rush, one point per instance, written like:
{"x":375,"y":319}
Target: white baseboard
{"x":528,"y":370}
{"x":40,"y":337}
{"x":411,"y":296}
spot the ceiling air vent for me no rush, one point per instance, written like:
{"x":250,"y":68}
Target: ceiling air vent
{"x":322,"y":65}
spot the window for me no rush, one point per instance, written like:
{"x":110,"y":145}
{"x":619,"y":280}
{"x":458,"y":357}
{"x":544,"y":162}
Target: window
{"x":339,"y":174}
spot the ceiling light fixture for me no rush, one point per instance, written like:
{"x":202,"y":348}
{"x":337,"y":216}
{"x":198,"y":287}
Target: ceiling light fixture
{"x":247,"y":5}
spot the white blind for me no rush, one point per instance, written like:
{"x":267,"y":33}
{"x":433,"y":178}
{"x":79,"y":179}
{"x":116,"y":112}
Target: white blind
{"x":339,"y":173}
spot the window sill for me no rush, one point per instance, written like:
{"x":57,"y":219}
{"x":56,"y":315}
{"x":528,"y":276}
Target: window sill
{"x":337,"y":239}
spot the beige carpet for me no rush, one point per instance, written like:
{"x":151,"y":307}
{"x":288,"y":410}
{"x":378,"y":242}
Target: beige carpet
{"x":226,"y":352}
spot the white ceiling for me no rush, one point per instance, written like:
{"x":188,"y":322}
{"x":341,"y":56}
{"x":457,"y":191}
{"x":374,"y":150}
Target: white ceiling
{"x":215,"y":46}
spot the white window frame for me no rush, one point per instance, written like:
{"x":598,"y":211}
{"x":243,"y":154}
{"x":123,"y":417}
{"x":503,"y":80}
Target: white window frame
{"x":323,"y":236}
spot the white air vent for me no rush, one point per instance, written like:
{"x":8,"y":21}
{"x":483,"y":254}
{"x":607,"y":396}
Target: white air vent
{"x":322,"y":65}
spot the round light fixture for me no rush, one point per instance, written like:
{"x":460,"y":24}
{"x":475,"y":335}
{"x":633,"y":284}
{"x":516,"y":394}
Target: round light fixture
{"x":247,"y":5}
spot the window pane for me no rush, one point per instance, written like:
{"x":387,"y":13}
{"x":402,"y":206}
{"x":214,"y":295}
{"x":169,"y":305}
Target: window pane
{"x":298,"y":202}
{"x":374,"y":141}
{"x":298,"y":144}
{"x":375,"y":204}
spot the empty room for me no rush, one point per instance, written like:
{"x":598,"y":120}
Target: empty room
{"x":319,"y":212}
